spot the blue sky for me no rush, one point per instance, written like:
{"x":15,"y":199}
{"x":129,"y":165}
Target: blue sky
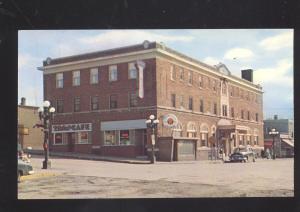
{"x":269,"y":52}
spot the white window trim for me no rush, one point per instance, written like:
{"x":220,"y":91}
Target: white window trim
{"x":58,"y":79}
{"x":113,"y":68}
{"x":131,"y":69}
{"x":96,"y":73}
{"x":75,"y":77}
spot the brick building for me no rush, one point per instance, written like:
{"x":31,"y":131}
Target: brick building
{"x":28,"y":135}
{"x":103,"y":99}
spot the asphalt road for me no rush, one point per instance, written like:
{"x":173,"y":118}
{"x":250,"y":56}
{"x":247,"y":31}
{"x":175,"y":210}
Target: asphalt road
{"x":71,"y":178}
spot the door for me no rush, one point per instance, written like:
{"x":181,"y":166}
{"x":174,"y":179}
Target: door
{"x":71,"y":142}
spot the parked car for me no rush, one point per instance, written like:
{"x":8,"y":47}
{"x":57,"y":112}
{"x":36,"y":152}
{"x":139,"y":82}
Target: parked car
{"x":24,"y":168}
{"x":245,"y":152}
{"x":237,"y":157}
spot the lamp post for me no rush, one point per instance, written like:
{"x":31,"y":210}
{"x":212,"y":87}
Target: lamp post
{"x":46,"y":114}
{"x":273,"y":133}
{"x":152,"y":124}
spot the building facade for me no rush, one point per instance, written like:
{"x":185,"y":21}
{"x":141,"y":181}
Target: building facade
{"x":285,"y":126}
{"x":103,"y":99}
{"x":28,"y":135}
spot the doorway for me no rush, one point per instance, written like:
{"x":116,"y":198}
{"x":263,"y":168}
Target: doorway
{"x":71,"y":142}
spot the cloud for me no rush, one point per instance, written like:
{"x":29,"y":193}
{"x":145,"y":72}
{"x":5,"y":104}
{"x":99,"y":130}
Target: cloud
{"x":277,"y":76}
{"x":238,"y":53}
{"x":277,"y":42}
{"x":27,"y":61}
{"x":211,"y":61}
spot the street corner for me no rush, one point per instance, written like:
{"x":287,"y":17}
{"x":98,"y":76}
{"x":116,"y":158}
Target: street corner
{"x":38,"y":175}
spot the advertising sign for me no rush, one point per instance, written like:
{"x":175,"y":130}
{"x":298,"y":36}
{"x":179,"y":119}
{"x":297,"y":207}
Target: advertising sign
{"x":170,"y":120}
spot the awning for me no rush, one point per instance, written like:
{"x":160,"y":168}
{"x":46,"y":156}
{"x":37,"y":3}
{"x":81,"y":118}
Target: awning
{"x":289,"y":142}
{"x":123,"y":125}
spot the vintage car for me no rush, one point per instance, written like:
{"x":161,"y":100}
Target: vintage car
{"x":24,"y":168}
{"x":243,"y":154}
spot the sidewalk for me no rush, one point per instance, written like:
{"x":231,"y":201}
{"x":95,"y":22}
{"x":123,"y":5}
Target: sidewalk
{"x":93,"y":157}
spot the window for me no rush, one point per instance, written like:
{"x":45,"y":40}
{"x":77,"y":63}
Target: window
{"x":232,"y":112}
{"x":190,"y":77}
{"x":248,"y":140}
{"x":173,"y":100}
{"x":255,"y":140}
{"x":76,"y":78}
{"x":231,"y":91}
{"x":59,"y":106}
{"x":95,"y":103}
{"x":113,"y":73}
{"x":190,"y":103}
{"x":201,"y":105}
{"x":208,"y":83}
{"x":58,"y":138}
{"x":59,"y":80}
{"x":132,"y":72}
{"x":204,"y":138}
{"x":94,"y":76}
{"x":181,"y":74}
{"x":110,"y":138}
{"x":124,"y":137}
{"x":214,"y":85}
{"x":200,"y":82}
{"x":113,"y":101}
{"x":215,"y":108}
{"x":242,"y":114}
{"x":76,"y":104}
{"x":241,"y":140}
{"x":256,"y":116}
{"x":83,"y":138}
{"x":181,"y":101}
{"x":224,"y":88}
{"x":248,"y":115}
{"x":133,"y":100}
{"x":224,"y":108}
{"x":173,"y":72}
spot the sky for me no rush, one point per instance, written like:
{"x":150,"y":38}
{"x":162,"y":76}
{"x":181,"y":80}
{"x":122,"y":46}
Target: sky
{"x":269,"y":52}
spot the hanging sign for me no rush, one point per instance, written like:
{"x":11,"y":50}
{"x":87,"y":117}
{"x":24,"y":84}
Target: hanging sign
{"x":170,"y":120}
{"x":140,"y":65}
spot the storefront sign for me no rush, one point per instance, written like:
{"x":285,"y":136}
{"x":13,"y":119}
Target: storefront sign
{"x":58,"y":128}
{"x":170,"y":120}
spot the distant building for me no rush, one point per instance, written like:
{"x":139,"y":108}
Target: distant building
{"x":284,"y":142}
{"x":28,"y":136}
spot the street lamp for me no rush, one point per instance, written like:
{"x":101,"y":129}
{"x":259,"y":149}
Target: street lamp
{"x":152,"y":124}
{"x":273,"y":133}
{"x":46,"y":114}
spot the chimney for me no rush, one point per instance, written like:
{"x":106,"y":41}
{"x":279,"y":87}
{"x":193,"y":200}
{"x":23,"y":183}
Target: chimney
{"x":275,"y":117}
{"x":23,"y":101}
{"x":247,"y":75}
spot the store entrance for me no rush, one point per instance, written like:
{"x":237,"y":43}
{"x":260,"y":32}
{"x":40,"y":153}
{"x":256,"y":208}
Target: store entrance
{"x":71,"y":142}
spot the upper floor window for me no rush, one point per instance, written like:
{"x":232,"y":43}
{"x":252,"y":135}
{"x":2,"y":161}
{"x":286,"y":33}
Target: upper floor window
{"x":113,"y":101}
{"x":242,"y":93}
{"x":200,"y":81}
{"x":232,"y":112}
{"x":181,"y":74}
{"x":173,"y":99}
{"x":214,"y":85}
{"x":60,"y":106}
{"x":256,"y":116}
{"x":224,"y":88}
{"x":94,"y":74}
{"x":248,"y":115}
{"x":242,"y":114}
{"x":59,"y":80}
{"x":190,"y":103}
{"x":231,"y":91}
{"x":132,"y":72}
{"x":76,"y":78}
{"x":133,"y":99}
{"x":215,"y":109}
{"x":173,"y":72}
{"x":76,"y":104}
{"x":201,"y":105}
{"x":181,"y":101}
{"x":95,"y":103}
{"x":113,"y":73}
{"x":224,"y":108}
{"x":190,"y":77}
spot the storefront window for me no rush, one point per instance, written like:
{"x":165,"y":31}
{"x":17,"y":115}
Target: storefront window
{"x":124,"y":137}
{"x":58,"y":139}
{"x":83,"y":137}
{"x":110,"y":138}
{"x":204,"y":139}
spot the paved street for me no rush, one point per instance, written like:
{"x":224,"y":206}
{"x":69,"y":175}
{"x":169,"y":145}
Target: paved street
{"x":72,"y":178}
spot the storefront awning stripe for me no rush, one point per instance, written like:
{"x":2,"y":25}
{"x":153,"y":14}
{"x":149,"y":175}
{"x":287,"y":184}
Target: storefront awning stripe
{"x":123,"y":125}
